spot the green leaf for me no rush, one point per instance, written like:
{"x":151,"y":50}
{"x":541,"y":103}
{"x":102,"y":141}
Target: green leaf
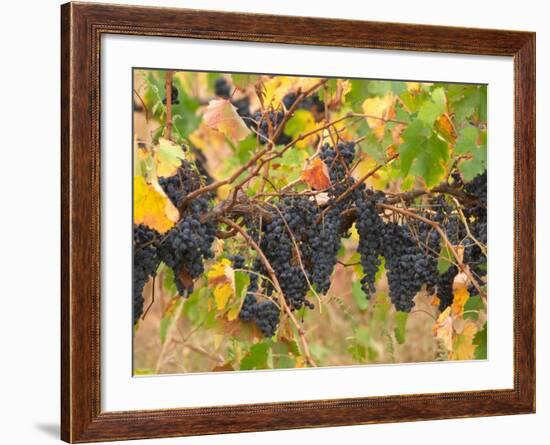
{"x":480,"y":340}
{"x":467,"y":140}
{"x":439,"y":99}
{"x":382,"y":308}
{"x":257,"y":357}
{"x":301,"y":122}
{"x":243,"y":80}
{"x":433,"y":107}
{"x":359,"y":296}
{"x":184,"y":115}
{"x":400,"y":326}
{"x":245,"y":148}
{"x":163,"y":328}
{"x":429,"y":112}
{"x":474,"y":303}
{"x":241,"y":282}
{"x":471,"y":102}
{"x":373,"y":148}
{"x":423,"y":153}
{"x":381,"y":87}
{"x":445,"y":259}
{"x":413,"y":136}
{"x":169,"y":283}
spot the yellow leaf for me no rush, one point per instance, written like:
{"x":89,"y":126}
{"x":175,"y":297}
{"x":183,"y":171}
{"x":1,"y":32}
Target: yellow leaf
{"x":233,"y":313}
{"x":443,"y":329}
{"x":168,"y":157}
{"x":463,"y":349}
{"x":150,"y":206}
{"x":220,"y":273}
{"x":221,"y":295}
{"x":460,"y":297}
{"x":379,"y":109}
{"x":445,"y":127}
{"x":413,"y":86}
{"x":221,"y":115}
{"x":316,"y":176}
{"x":275,"y":89}
{"x":300,"y":362}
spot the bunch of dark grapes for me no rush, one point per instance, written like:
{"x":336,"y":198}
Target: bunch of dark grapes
{"x":445,"y":287}
{"x":146,"y":262}
{"x":179,"y":185}
{"x":339,"y":160}
{"x":174,"y":98}
{"x":265,"y":314}
{"x":238,"y":261}
{"x":477,"y":215}
{"x":222,"y":88}
{"x":370,"y":228}
{"x":188,"y":244}
{"x":311,"y":103}
{"x":267,"y":123}
{"x":277,"y":245}
{"x":408,"y":263}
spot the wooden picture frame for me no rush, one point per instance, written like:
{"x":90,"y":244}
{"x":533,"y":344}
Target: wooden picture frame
{"x":82,"y":26}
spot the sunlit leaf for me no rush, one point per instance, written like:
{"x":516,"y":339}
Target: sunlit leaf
{"x":168,"y":157}
{"x":151,"y":207}
{"x":379,"y":109}
{"x":463,"y":347}
{"x":221,"y":115}
{"x":443,"y":329}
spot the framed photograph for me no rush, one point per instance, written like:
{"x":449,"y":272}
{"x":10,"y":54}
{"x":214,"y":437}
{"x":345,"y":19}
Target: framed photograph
{"x":278,"y":222}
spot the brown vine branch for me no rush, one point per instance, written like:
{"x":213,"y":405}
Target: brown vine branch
{"x":168,"y":88}
{"x":271,"y":273}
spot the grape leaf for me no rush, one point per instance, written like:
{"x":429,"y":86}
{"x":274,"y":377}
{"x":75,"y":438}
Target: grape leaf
{"x":379,"y":109}
{"x":168,"y":157}
{"x":359,"y":296}
{"x":423,"y":153}
{"x":480,"y":340}
{"x":400,"y":326}
{"x":221,"y":277}
{"x":151,"y":207}
{"x":472,"y":141}
{"x":463,"y":347}
{"x":443,"y":329}
{"x":316,"y":176}
{"x":221,"y":115}
{"x":256,"y":358}
{"x":460,"y":296}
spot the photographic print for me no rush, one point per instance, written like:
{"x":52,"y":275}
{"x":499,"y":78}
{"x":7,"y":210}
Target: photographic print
{"x":294,"y":222}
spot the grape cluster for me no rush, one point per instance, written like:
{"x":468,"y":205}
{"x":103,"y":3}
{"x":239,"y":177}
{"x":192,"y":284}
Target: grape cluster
{"x":178,"y":186}
{"x":146,"y":261}
{"x":370,"y":228}
{"x":188,"y":244}
{"x":445,"y":287}
{"x":311,"y":103}
{"x":267,"y":123}
{"x":265,"y":314}
{"x":477,"y":214}
{"x":222,"y":88}
{"x":238,"y":261}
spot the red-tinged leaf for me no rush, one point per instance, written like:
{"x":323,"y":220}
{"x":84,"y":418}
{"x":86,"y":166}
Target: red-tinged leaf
{"x":221,"y":115}
{"x":316,"y":176}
